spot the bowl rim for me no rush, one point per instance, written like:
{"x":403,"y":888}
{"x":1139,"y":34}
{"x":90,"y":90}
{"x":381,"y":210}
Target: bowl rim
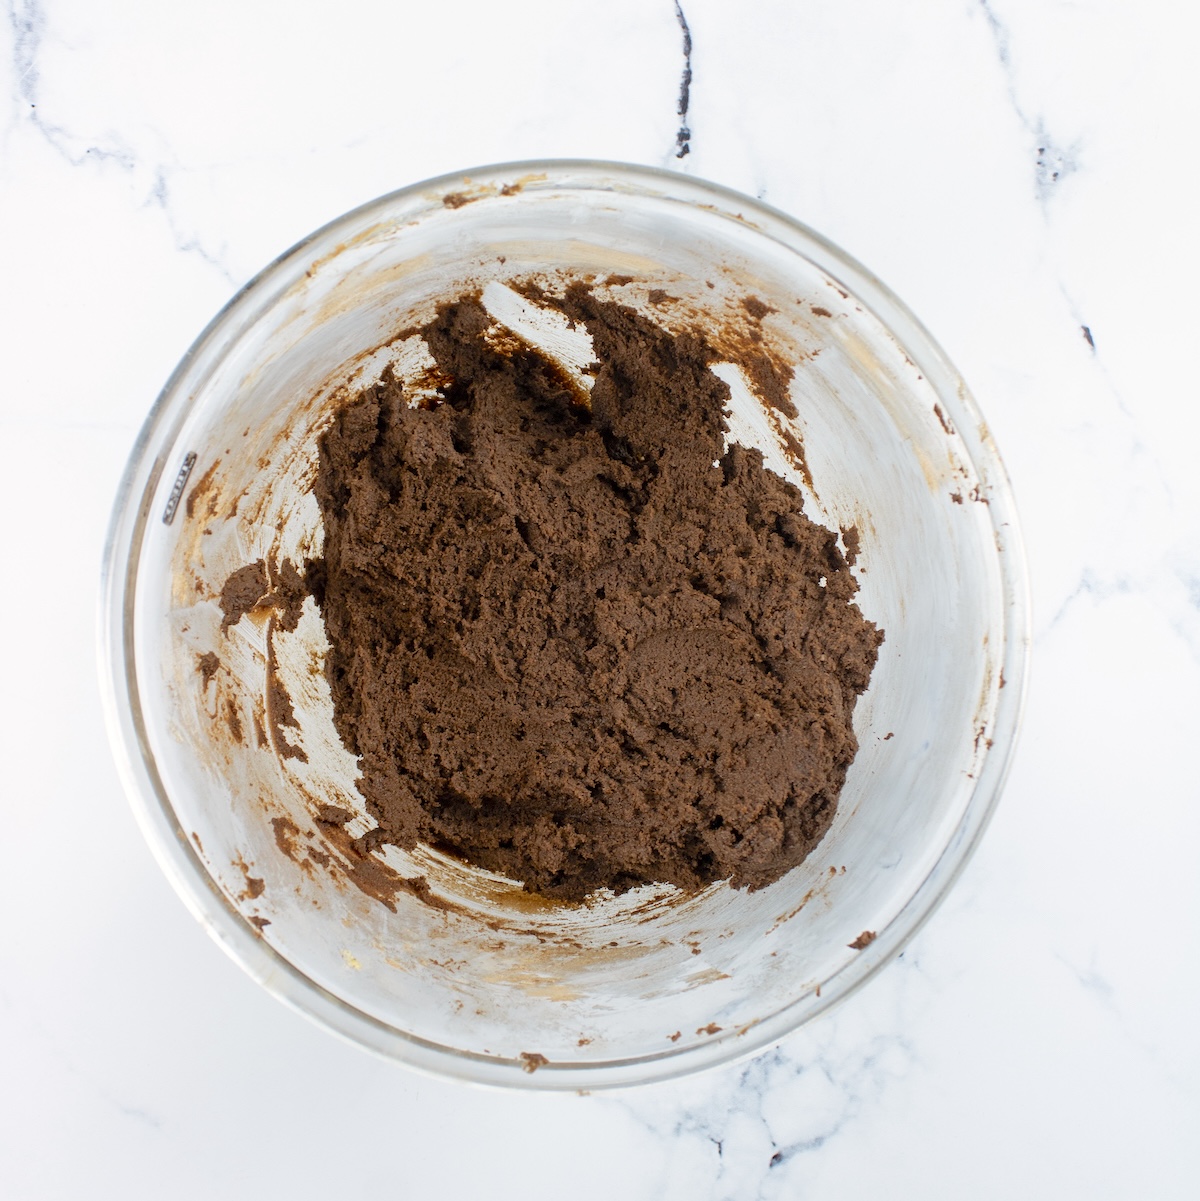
{"x":130,"y":744}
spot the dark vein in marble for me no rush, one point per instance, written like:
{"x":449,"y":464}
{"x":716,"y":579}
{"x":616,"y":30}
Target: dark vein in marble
{"x":27,"y":19}
{"x":28,"y":24}
{"x":1091,"y":584}
{"x":730,"y":1121}
{"x":160,"y":197}
{"x":1092,"y":981}
{"x":683,"y":139}
{"x":1053,"y":162}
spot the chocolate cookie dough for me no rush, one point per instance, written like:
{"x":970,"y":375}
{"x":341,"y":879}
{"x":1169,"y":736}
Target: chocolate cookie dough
{"x":574,"y":639}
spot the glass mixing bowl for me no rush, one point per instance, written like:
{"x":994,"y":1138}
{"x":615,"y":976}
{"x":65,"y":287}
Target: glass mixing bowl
{"x":487,"y":982}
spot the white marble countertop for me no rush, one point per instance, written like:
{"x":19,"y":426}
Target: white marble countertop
{"x":1023,"y":174}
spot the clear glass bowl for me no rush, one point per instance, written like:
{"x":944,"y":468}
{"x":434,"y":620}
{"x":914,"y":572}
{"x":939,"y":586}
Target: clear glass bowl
{"x":501,"y":986}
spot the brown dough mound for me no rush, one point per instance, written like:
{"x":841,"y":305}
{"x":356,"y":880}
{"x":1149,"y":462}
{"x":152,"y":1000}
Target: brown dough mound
{"x":568,"y":647}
